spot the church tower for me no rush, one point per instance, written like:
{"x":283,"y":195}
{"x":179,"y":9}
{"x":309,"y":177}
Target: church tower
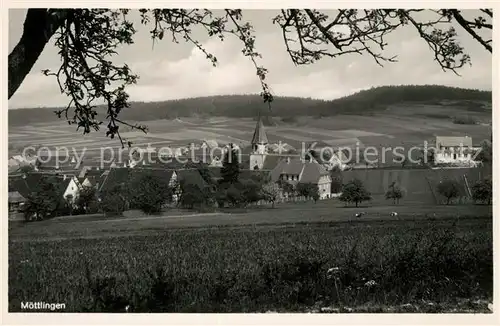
{"x":259,"y":146}
{"x":259,"y":139}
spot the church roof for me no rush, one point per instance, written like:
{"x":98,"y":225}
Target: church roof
{"x":259,"y":135}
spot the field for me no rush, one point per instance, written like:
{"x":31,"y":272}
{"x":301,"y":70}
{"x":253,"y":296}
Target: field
{"x":394,"y":127}
{"x":259,"y":260}
{"x":296,"y":257}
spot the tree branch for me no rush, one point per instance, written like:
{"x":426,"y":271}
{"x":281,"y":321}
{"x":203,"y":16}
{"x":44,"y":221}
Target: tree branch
{"x":461,"y":20}
{"x":39,"y":26}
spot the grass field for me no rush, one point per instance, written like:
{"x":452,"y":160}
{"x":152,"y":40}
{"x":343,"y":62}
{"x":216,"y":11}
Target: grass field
{"x":259,"y":260}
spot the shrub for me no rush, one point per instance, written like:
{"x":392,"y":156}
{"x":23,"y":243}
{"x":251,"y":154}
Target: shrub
{"x":113,"y":201}
{"x":449,"y":189}
{"x":395,"y":193}
{"x":149,"y":193}
{"x":272,"y":192}
{"x":465,"y":120}
{"x":482,"y":191}
{"x":87,"y":200}
{"x":355,"y":192}
{"x":289,"y":119}
{"x":308,"y":190}
{"x":193,"y":195}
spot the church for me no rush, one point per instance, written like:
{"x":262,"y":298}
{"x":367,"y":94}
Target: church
{"x":292,"y":168}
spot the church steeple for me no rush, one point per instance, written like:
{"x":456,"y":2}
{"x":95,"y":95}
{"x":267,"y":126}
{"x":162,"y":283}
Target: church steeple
{"x":259,"y":138}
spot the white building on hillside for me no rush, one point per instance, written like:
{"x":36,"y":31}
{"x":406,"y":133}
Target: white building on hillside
{"x":454,"y":150}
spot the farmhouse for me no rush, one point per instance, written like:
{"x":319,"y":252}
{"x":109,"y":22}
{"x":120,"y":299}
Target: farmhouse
{"x":296,"y":170}
{"x":67,"y":186}
{"x":454,"y":150}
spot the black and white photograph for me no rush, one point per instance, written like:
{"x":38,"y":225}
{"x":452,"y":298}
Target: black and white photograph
{"x":249,"y":161}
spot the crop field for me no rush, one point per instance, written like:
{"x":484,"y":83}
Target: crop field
{"x":262,"y":259}
{"x":385,"y":129}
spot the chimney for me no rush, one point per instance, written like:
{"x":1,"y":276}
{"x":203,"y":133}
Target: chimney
{"x":65,"y":176}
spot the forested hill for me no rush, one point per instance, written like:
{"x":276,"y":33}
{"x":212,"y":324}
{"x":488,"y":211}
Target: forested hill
{"x":360,"y":103}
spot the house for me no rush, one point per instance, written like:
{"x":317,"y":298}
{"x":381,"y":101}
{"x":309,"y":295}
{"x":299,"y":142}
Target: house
{"x":16,"y":203}
{"x":296,"y":170}
{"x":67,"y":186}
{"x":90,"y":176}
{"x":454,"y":150}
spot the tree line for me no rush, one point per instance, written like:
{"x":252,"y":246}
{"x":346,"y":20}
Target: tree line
{"x":241,"y":106}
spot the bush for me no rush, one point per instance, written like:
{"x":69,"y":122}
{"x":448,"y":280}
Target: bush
{"x":308,"y":190}
{"x":450,"y":189}
{"x":113,"y":201}
{"x":395,"y":193}
{"x":289,"y":119}
{"x":482,"y":191}
{"x":194,"y":196}
{"x":149,"y":193}
{"x":355,"y":192}
{"x":465,"y":120}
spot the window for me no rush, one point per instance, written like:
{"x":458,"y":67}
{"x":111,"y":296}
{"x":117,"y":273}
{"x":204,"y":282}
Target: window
{"x":454,"y":156}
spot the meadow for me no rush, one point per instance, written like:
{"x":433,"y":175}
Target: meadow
{"x":295,"y":258}
{"x":391,"y":128}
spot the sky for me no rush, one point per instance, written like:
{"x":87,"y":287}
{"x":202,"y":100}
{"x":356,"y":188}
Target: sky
{"x":172,"y":71}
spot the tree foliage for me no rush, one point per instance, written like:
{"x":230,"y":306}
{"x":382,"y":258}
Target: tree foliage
{"x":272,"y":192}
{"x":354,"y":192}
{"x":485,"y":155}
{"x":195,"y":196}
{"x":482,"y":191}
{"x":87,"y":200}
{"x":230,"y":170}
{"x":114,"y":201}
{"x":149,"y":193}
{"x":88,"y":39}
{"x":450,"y":189}
{"x":308,"y":190}
{"x":45,"y":200}
{"x":394,"y":193}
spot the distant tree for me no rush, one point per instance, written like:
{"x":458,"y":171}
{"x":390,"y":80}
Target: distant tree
{"x":149,"y":193}
{"x":44,"y":201}
{"x":89,"y":73}
{"x":307,"y":190}
{"x":289,"y":119}
{"x":272,"y":192}
{"x":114,"y":201}
{"x":449,"y":189}
{"x":354,"y":192}
{"x":250,"y":190}
{"x":394,"y":192}
{"x":234,"y":196}
{"x":288,"y":189}
{"x":315,"y":195}
{"x":193,"y":195}
{"x":485,"y":154}
{"x":230,"y":170}
{"x":482,"y":191}
{"x":465,"y":120}
{"x":87,"y":200}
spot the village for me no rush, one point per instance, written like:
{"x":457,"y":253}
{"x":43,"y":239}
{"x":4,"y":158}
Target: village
{"x":262,"y":174}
